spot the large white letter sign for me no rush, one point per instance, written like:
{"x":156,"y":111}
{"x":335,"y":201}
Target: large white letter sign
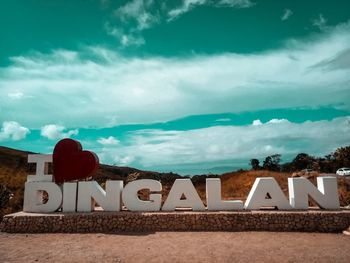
{"x":33,"y":197}
{"x":326,"y":196}
{"x":179,"y":188}
{"x":257,"y":195}
{"x":69,"y":197}
{"x":214,"y":201}
{"x":41,"y":173}
{"x":89,"y":192}
{"x":133,"y":202}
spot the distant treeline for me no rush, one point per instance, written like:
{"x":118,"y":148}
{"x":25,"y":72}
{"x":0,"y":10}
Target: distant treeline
{"x":327,"y":164}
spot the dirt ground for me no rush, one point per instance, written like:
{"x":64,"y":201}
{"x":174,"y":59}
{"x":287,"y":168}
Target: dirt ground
{"x":176,"y":247}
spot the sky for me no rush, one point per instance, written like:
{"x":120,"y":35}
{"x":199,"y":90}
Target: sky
{"x":188,"y":86}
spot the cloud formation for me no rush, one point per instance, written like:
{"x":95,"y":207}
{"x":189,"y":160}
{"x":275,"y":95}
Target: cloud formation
{"x":257,"y":122}
{"x":108,"y":141}
{"x":139,"y":15}
{"x":15,"y":95}
{"x":188,"y":5}
{"x":97,"y":87}
{"x":54,"y":132}
{"x":320,"y":22}
{"x":286,"y":14}
{"x":12,"y":130}
{"x":219,"y":144}
{"x":137,"y":10}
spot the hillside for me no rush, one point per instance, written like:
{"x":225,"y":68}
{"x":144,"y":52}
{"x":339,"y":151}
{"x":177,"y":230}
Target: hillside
{"x":14,"y":169}
{"x":13,"y":174}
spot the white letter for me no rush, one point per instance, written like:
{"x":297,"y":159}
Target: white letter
{"x":214,"y":202}
{"x":89,"y":192}
{"x":69,"y":197}
{"x":132,"y":201}
{"x":326,"y":196}
{"x":33,"y":197}
{"x":180,"y":187}
{"x":257,"y":195}
{"x":41,"y":161}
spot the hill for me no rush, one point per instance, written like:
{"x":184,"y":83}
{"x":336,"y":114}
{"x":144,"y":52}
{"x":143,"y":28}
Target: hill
{"x":235,"y":185}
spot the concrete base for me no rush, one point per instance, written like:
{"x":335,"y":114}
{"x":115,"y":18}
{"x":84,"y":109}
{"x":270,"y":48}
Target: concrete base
{"x":113,"y":222}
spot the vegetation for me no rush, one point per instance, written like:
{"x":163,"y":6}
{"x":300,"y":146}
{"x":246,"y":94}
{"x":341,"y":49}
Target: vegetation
{"x":327,"y":164}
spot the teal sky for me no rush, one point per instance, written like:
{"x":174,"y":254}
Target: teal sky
{"x":190,"y":86}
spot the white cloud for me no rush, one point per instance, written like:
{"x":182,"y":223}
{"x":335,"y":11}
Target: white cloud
{"x":145,"y":20}
{"x":320,"y":22}
{"x":130,"y":40}
{"x":286,"y":14}
{"x":125,"y":38}
{"x":188,"y":5}
{"x":139,"y":12}
{"x":53,"y":132}
{"x":138,"y":15}
{"x":108,"y":141}
{"x":133,"y":8}
{"x":223,"y":120}
{"x":274,"y":121}
{"x":12,"y":130}
{"x":257,"y":122}
{"x":97,"y":87}
{"x":235,"y":3}
{"x":155,"y":148}
{"x":126,"y":160}
{"x":15,"y":95}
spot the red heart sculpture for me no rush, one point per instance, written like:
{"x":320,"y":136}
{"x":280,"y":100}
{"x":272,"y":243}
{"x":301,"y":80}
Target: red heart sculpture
{"x":70,"y":162}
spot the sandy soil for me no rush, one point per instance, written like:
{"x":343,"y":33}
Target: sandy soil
{"x":176,"y":247}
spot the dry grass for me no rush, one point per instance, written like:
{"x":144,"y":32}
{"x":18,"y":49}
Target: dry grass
{"x":13,"y":174}
{"x":14,"y":180}
{"x":236,"y":185}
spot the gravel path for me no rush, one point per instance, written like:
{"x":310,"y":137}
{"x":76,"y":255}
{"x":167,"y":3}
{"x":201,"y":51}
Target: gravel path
{"x":176,"y":247}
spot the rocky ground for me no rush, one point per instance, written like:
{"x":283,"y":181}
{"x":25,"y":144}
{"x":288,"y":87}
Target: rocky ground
{"x":176,"y":247}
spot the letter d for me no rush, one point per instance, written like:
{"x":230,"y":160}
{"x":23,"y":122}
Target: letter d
{"x":33,"y":201}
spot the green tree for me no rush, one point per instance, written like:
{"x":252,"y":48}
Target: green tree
{"x":302,"y":161}
{"x":255,"y":164}
{"x":342,"y":156}
{"x":272,"y":162}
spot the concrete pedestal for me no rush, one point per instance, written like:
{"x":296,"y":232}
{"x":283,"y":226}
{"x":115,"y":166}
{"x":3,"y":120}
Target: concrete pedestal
{"x":113,"y":222}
